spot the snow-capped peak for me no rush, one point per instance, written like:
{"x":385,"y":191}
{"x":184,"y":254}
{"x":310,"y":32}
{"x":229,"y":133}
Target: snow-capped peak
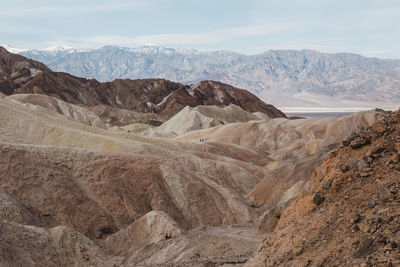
{"x":59,"y":48}
{"x":51,"y":50}
{"x":152,"y":49}
{"x":11,"y":49}
{"x":186,"y":51}
{"x":157,"y":49}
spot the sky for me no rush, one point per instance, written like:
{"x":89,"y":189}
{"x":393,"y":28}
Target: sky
{"x":367,"y":27}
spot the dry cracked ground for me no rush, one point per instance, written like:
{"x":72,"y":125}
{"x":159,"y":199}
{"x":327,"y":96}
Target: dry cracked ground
{"x":216,"y":185}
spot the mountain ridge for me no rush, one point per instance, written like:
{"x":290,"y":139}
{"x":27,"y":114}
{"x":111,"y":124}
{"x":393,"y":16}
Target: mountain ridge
{"x":285,"y":78}
{"x":25,"y":76}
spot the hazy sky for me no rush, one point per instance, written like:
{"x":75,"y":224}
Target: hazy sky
{"x":368,"y":27}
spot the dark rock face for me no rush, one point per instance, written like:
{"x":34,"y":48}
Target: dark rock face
{"x":19,"y":75}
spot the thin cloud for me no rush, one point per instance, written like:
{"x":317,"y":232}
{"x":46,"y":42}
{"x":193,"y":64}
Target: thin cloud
{"x":67,"y":9}
{"x":193,"y":38}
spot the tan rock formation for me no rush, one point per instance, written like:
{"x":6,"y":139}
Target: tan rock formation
{"x":70,"y":111}
{"x":151,"y":228}
{"x":205,"y":246}
{"x":198,"y":118}
{"x":23,"y":245}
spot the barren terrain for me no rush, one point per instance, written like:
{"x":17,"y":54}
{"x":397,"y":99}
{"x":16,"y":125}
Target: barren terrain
{"x":104,"y":185}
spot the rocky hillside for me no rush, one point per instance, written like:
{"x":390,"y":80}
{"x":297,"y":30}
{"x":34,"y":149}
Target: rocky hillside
{"x":22,"y":76}
{"x":350,"y":216}
{"x":57,"y":171}
{"x":88,"y":194}
{"x":283,"y":78}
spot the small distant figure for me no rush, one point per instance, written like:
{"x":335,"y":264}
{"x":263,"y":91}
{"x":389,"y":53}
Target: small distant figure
{"x":202,"y":140}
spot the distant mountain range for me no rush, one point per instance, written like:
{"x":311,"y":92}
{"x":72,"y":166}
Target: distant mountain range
{"x":284,"y":78}
{"x":19,"y":75}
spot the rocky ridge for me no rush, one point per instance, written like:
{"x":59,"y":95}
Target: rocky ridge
{"x":350,"y":215}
